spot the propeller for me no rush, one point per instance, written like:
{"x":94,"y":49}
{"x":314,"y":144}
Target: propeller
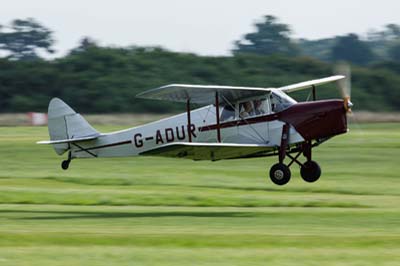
{"x":345,"y":84}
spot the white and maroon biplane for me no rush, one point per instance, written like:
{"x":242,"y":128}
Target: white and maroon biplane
{"x":236,"y":122}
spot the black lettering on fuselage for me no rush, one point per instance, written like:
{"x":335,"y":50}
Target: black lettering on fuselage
{"x":192,"y":130}
{"x":159,"y":138}
{"x":138,"y":140}
{"x":169,"y":135}
{"x":183,"y":133}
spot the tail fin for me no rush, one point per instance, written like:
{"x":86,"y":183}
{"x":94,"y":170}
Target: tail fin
{"x":66,"y":125}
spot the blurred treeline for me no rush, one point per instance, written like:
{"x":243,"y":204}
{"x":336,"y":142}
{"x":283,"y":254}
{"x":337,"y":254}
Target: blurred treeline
{"x":99,"y":79}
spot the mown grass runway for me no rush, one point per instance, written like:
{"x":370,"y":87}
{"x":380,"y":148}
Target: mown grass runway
{"x":154,"y":211}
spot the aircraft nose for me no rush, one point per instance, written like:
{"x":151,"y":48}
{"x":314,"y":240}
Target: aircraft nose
{"x":319,"y":119}
{"x":350,"y":104}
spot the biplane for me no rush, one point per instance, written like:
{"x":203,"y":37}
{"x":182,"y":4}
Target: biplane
{"x":234,"y":122}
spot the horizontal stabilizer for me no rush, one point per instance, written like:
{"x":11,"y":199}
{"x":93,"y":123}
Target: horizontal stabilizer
{"x":209,"y":151}
{"x":69,"y":140}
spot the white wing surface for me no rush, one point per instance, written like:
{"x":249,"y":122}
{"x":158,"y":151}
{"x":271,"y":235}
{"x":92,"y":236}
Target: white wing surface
{"x":209,"y":151}
{"x":202,"y":94}
{"x":205,"y":94}
{"x":310,"y":83}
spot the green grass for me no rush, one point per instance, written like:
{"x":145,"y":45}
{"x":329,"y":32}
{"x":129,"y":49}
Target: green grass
{"x":156,"y":211}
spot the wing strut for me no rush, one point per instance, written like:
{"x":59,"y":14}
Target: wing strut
{"x":189,"y":123}
{"x":314,"y":95}
{"x":217,"y":114}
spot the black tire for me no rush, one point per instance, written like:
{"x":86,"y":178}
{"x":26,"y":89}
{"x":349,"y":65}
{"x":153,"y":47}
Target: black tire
{"x":310,"y":171}
{"x":65,"y":164}
{"x":280,"y":174}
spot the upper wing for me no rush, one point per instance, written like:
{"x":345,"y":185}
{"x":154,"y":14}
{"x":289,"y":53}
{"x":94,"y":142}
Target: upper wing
{"x":209,"y":151}
{"x":202,"y":94}
{"x":205,"y":94}
{"x":310,"y":83}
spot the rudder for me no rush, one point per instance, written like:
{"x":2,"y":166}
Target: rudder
{"x":65,"y":123}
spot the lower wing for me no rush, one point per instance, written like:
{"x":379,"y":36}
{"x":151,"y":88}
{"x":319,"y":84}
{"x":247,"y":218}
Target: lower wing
{"x":209,"y":151}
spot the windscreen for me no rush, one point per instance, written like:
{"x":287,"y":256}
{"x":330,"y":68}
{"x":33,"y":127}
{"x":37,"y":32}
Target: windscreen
{"x":280,"y":101}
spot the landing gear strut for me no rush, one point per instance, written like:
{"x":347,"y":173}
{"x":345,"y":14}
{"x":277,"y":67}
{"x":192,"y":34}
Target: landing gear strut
{"x":65,"y":163}
{"x":280,"y":173}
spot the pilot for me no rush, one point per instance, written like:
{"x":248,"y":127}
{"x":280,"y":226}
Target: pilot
{"x":258,"y":110}
{"x":247,"y":109}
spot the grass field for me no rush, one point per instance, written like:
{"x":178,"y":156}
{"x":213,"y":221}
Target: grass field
{"x":152,"y":211}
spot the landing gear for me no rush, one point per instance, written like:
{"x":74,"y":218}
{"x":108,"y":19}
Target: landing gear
{"x":280,"y":174}
{"x":310,"y":171}
{"x":65,"y":163}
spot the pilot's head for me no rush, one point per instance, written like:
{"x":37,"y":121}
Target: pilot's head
{"x":257,"y":104}
{"x":247,"y":106}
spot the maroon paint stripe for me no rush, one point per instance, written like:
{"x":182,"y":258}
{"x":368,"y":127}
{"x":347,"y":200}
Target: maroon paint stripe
{"x":253,"y":120}
{"x":109,"y":145}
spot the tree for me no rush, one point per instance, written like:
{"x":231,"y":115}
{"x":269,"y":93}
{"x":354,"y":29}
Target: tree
{"x":85,"y":44}
{"x":269,"y":38}
{"x":350,"y":48}
{"x":393,"y":31}
{"x":394,"y":52}
{"x":319,"y":49}
{"x":23,"y":38}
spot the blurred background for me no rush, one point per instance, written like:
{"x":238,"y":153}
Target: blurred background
{"x":97,"y":55}
{"x":88,"y":53}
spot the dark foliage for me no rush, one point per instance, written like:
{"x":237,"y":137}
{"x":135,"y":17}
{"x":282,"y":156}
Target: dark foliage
{"x":350,"y":48}
{"x":105,"y":80}
{"x":23,"y":38}
{"x":269,"y":38}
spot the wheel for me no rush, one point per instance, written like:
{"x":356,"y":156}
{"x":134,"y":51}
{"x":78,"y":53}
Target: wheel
{"x":310,"y":171}
{"x":280,"y":174}
{"x":65,"y":164}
